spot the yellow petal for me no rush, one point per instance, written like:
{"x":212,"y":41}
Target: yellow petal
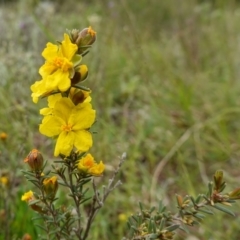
{"x":68,"y":48}
{"x":27,"y":196}
{"x":53,"y":99}
{"x":64,"y":143}
{"x":38,"y":88}
{"x":47,"y":69}
{"x":58,"y":81}
{"x":83,"y":140}
{"x":82,"y":118}
{"x":45,"y":111}
{"x":97,"y":169}
{"x":51,"y":126}
{"x":51,"y":51}
{"x":63,"y":109}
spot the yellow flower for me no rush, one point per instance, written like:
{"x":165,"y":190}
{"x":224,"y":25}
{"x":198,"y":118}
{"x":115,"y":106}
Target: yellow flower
{"x":50,"y":186}
{"x":4,"y":180}
{"x":3,"y":136}
{"x":87,"y":165}
{"x":71,"y":124}
{"x":28,"y":196}
{"x":58,"y":69}
{"x":97,"y":169}
{"x":122,"y":217}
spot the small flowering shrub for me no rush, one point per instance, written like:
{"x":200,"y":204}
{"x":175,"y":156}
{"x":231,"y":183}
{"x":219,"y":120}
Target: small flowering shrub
{"x":68,"y":119}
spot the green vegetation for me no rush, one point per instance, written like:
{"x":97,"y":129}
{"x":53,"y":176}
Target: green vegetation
{"x":166,"y":84}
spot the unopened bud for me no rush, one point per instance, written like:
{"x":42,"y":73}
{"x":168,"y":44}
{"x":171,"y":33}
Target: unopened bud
{"x":3,"y":136}
{"x":79,"y":96}
{"x":27,"y":237}
{"x":80,"y":75}
{"x":50,"y":186}
{"x":84,"y":39}
{"x":34,"y":160}
{"x":235,"y":194}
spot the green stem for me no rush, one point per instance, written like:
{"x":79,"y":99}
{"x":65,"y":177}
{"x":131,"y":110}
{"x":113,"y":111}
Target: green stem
{"x":50,"y":208}
{"x":76,"y":201}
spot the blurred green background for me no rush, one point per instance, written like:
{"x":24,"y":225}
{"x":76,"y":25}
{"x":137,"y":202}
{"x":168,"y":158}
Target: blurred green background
{"x":165,"y":80}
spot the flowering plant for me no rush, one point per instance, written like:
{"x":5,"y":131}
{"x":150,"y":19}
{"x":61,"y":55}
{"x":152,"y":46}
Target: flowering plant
{"x":68,"y":119}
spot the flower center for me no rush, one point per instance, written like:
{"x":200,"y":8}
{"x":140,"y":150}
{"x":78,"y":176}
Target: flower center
{"x":62,"y":63}
{"x":67,"y":128}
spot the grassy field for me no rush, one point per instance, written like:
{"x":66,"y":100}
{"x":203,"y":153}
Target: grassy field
{"x":165,"y":78}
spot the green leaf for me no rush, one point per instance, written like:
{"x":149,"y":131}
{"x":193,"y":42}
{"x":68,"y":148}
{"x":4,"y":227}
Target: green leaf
{"x":152,"y":209}
{"x":224,"y":210}
{"x":198,"y":199}
{"x":199,"y":216}
{"x":210,"y":189}
{"x":54,"y":231}
{"x":172,"y":227}
{"x":62,"y":183}
{"x":184,"y":228}
{"x":140,"y":206}
{"x":29,"y":173}
{"x":205,"y":210}
{"x":150,"y":226}
{"x":32,"y":202}
{"x":76,"y":60}
{"x":218,"y":179}
{"x":43,"y":228}
{"x":162,"y":224}
{"x":152,"y":236}
{"x":82,"y":88}
{"x":84,"y":200}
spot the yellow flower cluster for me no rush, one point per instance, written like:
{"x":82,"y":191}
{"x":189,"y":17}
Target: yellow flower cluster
{"x":69,"y":115}
{"x":87,"y":165}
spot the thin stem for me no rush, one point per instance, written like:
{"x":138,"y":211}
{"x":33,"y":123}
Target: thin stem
{"x":50,"y":207}
{"x":93,"y":212}
{"x":76,"y":201}
{"x":96,"y":200}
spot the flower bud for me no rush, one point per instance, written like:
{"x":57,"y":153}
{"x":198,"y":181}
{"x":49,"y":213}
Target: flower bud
{"x":3,"y":136}
{"x":80,"y":96}
{"x":80,"y":75}
{"x":26,"y":236}
{"x":235,"y":194}
{"x":34,"y":160}
{"x":84,"y":39}
{"x":50,"y":186}
{"x":73,"y":35}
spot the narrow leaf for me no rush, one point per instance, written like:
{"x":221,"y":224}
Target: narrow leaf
{"x":224,"y":210}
